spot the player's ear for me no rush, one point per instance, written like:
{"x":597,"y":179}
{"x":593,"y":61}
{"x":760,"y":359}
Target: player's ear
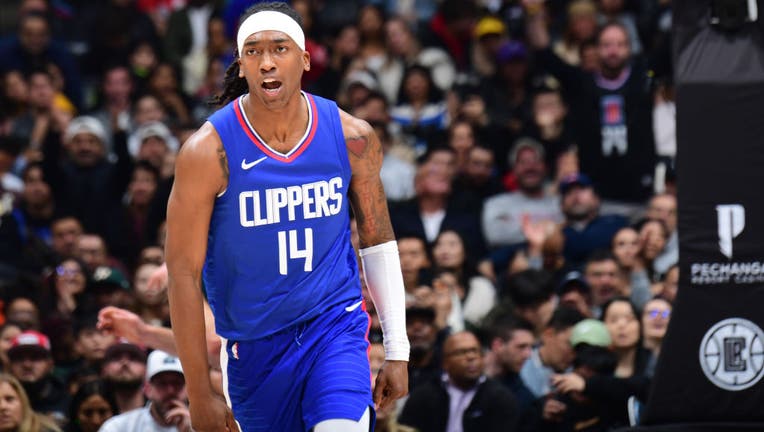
{"x":241,"y":72}
{"x":306,"y":60}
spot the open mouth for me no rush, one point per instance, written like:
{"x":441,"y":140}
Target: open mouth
{"x":271,"y":86}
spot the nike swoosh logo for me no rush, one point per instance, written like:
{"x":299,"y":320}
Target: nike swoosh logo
{"x":353,"y":307}
{"x":245,"y":166}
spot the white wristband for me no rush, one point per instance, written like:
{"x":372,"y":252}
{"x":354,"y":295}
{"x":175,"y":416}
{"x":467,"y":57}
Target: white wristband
{"x":382,"y":270}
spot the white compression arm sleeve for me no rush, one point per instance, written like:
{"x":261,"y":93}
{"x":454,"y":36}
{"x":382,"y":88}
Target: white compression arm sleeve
{"x":382,"y":270}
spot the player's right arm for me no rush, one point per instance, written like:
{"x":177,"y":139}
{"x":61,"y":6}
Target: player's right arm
{"x":201,"y":172}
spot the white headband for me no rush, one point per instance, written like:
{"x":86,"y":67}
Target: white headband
{"x":270,"y":20}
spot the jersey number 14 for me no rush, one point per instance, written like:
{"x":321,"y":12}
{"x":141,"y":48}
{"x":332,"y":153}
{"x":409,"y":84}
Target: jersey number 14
{"x":290,"y":249}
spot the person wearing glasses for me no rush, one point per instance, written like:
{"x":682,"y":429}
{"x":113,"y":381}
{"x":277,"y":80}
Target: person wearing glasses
{"x":655,"y":320}
{"x":463,"y":398}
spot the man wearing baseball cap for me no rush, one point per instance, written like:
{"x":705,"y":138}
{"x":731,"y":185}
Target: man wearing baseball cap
{"x":124,"y":371}
{"x":31,"y":363}
{"x":165,"y":389}
{"x":585,"y":229}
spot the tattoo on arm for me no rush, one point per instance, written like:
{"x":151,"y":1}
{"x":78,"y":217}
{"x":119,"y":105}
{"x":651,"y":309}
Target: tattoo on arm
{"x":223,"y":161}
{"x":357,"y":144}
{"x":370,"y":209}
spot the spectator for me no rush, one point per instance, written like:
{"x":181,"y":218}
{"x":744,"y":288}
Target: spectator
{"x":111,"y":27}
{"x":663,"y":207}
{"x":575,"y":293}
{"x":623,"y":322}
{"x":90,"y":344}
{"x":434,"y":210}
{"x":67,"y":287}
{"x":143,"y":58}
{"x":612,"y":109}
{"x":151,"y":301}
{"x":32,"y":125}
{"x":91,"y":249}
{"x":29,"y":229}
{"x":65,"y":232}
{"x":585,"y":229}
{"x":531,"y":293}
{"x":628,"y":250}
{"x":111,"y":288}
{"x":91,"y":406}
{"x":123,"y":370}
{"x":511,"y":346}
{"x":344,"y":50}
{"x":631,"y":376}
{"x":164,"y":84}
{"x":168,"y":406}
{"x":668,"y":288}
{"x":414,"y":259}
{"x":655,"y":321}
{"x":464,"y":399}
{"x":503,"y":214}
{"x":185,"y":41}
{"x":550,"y":126}
{"x":115,"y":108}
{"x":605,"y":279}
{"x":461,"y":138}
{"x":490,"y":32}
{"x":425,"y":357}
{"x":581,"y":26}
{"x":615,"y":11}
{"x":141,"y":191}
{"x":33,"y":47}
{"x":371,"y":23}
{"x":14,"y":94}
{"x":451,"y":30}
{"x":570,"y":408}
{"x":554,"y":355}
{"x":421,"y":110}
{"x":88,"y":185}
{"x":19,"y":415}
{"x":477,"y":294}
{"x":507,"y":93}
{"x":404,"y":50}
{"x":477,"y":182}
{"x":32,"y":364}
{"x":8,"y":331}
{"x":653,"y":237}
{"x":24,"y":312}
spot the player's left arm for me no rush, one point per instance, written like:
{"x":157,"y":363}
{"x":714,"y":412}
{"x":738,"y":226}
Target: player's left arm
{"x":379,"y":255}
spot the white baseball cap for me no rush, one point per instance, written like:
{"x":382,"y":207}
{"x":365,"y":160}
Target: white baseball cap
{"x":160,"y":361}
{"x":85,"y":124}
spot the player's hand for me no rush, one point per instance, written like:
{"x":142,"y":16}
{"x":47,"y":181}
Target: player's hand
{"x":211,"y":414}
{"x":392,"y":383}
{"x":121,"y":323}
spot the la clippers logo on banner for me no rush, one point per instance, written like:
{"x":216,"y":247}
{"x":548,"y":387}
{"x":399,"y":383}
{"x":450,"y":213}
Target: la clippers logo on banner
{"x":731,"y":221}
{"x":732,"y":354}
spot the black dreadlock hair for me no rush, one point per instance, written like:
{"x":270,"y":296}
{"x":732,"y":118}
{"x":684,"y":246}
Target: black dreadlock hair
{"x":233,"y":85}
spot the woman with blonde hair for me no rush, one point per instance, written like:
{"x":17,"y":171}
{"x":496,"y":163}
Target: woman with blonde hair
{"x":16,"y":413}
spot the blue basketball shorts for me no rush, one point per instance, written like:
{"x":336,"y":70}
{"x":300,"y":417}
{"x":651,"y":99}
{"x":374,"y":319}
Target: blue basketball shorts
{"x":301,"y":376}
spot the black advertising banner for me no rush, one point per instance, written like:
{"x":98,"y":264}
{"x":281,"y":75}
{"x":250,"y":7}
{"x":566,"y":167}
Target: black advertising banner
{"x":709,"y":375}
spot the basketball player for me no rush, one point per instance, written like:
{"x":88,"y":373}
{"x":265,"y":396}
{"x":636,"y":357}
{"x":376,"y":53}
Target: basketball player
{"x":259,"y":212}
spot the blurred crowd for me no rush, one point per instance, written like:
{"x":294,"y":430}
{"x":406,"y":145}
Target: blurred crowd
{"x":529,"y":167}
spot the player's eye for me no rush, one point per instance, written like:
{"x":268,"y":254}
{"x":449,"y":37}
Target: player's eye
{"x":281,"y":49}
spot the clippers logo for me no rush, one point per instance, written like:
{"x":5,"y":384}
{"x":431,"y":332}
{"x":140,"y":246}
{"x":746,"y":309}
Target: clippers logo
{"x":732,"y":354}
{"x":235,"y":350}
{"x":731,"y":221}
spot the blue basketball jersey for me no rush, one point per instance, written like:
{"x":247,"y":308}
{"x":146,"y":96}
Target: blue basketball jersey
{"x":279,"y":250}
